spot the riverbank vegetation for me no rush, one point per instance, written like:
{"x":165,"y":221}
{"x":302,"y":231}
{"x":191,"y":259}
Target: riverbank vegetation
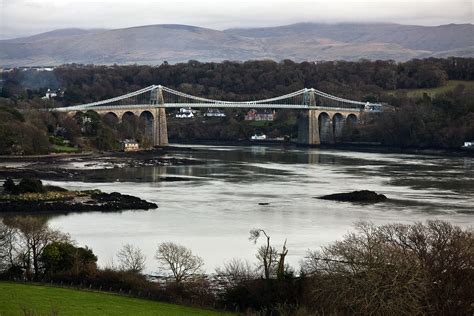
{"x":422,"y":268}
{"x":432,"y":101}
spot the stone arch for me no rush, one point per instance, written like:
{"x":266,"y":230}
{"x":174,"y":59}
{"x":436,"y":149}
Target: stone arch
{"x":325,"y":128}
{"x":92,"y":112}
{"x":147,"y":126}
{"x":80,"y":117}
{"x":129,"y":125}
{"x":351,"y":122}
{"x":338,"y":121}
{"x":111,"y":118}
{"x":77,"y":115}
{"x":128,"y":115}
{"x":352,"y":119}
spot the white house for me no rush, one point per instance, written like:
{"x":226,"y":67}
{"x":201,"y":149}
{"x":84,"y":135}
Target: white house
{"x":214,"y":113}
{"x":258,"y":137}
{"x":129,"y":145}
{"x":50,"y":94}
{"x":185,"y":113}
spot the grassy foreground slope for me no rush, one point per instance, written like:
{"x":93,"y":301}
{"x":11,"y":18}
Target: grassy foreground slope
{"x":21,"y":299}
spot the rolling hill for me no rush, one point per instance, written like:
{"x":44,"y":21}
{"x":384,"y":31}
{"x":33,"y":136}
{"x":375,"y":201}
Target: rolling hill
{"x":154,"y":44}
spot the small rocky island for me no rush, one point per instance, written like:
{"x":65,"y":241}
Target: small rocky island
{"x":32,"y":197}
{"x":362,"y":196}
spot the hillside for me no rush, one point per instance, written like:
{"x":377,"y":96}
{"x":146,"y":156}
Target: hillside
{"x":154,"y":44}
{"x":146,"y":45}
{"x":423,"y":38}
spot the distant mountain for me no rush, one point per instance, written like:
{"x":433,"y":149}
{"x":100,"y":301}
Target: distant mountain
{"x":178,"y":43}
{"x":424,"y":38}
{"x":63,"y":33}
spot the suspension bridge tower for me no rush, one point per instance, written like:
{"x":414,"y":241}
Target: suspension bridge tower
{"x":160,"y":128}
{"x":308,"y":125}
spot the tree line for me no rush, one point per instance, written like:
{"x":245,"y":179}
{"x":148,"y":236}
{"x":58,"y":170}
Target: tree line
{"x":239,"y":80}
{"x":420,"y":268}
{"x":443,"y":120}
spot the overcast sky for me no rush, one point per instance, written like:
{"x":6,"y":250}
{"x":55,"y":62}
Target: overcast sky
{"x":25,"y":17}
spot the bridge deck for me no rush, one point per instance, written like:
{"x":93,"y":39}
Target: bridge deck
{"x":206,"y":105}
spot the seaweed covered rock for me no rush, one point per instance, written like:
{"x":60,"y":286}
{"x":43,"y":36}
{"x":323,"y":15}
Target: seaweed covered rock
{"x":116,"y":200}
{"x":33,"y":198}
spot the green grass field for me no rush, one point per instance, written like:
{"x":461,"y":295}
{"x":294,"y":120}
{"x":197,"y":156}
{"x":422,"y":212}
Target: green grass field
{"x":64,"y":149}
{"x":469,"y":85}
{"x":21,"y":299}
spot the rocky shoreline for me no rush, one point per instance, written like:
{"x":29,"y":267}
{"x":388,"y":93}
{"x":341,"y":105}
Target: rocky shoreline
{"x":103,"y":202}
{"x":90,"y":167}
{"x":30,"y":196}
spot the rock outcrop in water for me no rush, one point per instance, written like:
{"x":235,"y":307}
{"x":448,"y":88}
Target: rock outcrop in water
{"x":51,"y":199}
{"x":364,"y":196}
{"x":103,"y":202}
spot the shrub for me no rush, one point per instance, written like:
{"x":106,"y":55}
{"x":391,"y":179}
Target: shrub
{"x":266,"y":294}
{"x":64,"y":256}
{"x":29,"y":185}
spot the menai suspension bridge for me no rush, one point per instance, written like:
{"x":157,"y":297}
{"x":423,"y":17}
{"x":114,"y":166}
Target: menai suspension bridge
{"x":326,"y":113}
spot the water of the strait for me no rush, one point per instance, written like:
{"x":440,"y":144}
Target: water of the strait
{"x":213,"y":213}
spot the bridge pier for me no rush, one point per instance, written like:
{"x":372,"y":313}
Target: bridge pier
{"x":160,"y":135}
{"x":338,"y":122}
{"x":308,"y":128}
{"x":160,"y":128}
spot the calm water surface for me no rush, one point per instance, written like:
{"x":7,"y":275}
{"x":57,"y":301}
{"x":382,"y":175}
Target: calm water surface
{"x":214,"y":211}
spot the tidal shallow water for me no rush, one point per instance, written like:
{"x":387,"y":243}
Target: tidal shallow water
{"x":213,"y":212}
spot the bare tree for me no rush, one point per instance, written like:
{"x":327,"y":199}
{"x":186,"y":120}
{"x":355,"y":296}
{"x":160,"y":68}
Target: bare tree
{"x":395,"y":269}
{"x":131,"y":259}
{"x":266,"y":254}
{"x":179,"y":260}
{"x":281,"y":262}
{"x":7,"y":244}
